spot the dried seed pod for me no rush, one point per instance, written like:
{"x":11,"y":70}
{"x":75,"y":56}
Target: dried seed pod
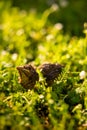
{"x":50,"y":72}
{"x":28,"y":76}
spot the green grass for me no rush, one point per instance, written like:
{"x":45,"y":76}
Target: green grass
{"x":25,"y":38}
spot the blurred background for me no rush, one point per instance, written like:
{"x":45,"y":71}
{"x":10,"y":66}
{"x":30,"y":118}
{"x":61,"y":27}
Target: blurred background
{"x":71,"y":13}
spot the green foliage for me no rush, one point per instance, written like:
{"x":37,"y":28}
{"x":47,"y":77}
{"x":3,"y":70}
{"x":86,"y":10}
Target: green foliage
{"x":25,"y":38}
{"x":72,"y":14}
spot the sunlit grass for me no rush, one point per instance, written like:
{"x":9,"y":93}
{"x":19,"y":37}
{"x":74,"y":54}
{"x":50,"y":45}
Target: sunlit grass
{"x":27,"y":38}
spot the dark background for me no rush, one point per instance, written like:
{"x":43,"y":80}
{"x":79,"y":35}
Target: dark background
{"x":72,"y":13}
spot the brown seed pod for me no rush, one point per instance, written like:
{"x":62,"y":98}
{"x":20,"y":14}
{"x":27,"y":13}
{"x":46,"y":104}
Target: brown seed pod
{"x":50,"y":72}
{"x":28,"y":76}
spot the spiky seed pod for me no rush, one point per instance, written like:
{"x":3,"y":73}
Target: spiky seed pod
{"x":28,"y":76}
{"x":50,"y":72}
